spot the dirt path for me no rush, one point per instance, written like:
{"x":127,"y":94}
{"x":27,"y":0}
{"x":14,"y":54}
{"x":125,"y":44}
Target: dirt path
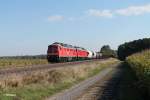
{"x":105,"y":88}
{"x":117,"y":85}
{"x":80,"y":90}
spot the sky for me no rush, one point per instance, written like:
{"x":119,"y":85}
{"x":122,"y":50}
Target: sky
{"x":27,"y":27}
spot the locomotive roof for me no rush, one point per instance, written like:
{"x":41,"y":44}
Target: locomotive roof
{"x":69,"y":46}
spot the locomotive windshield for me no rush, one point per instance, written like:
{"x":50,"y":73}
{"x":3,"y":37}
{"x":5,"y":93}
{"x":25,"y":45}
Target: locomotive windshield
{"x":52,"y":49}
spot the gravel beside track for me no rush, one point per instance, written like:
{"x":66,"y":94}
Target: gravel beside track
{"x":22,"y":70}
{"x":81,"y":88}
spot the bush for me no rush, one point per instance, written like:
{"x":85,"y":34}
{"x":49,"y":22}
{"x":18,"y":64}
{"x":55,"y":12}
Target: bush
{"x":132,"y":47}
{"x":108,"y":52}
{"x":140,"y":63}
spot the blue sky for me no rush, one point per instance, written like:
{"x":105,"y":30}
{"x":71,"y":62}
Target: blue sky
{"x":29,"y":26}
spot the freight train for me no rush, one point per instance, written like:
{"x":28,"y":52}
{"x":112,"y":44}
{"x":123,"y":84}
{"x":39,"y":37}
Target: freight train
{"x":60,"y":52}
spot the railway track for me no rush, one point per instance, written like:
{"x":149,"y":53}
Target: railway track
{"x":21,"y":70}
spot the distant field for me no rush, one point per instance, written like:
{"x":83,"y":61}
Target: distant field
{"x":13,"y":62}
{"x":140,"y":63}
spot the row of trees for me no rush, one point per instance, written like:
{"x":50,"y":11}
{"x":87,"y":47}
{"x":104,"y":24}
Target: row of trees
{"x":106,"y":51}
{"x":25,"y":57}
{"x":132,"y":47}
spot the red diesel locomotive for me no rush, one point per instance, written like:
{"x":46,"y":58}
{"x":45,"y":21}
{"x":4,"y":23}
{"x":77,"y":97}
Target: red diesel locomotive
{"x":59,"y":52}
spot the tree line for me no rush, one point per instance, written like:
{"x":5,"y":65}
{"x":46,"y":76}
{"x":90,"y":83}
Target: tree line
{"x":25,"y":57}
{"x":132,"y":47}
{"x":106,"y":51}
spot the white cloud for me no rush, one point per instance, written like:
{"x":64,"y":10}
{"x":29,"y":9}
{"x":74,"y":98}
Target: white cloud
{"x":55,"y":18}
{"x":100,"y":13}
{"x":129,"y":11}
{"x":109,"y":13}
{"x":134,"y":10}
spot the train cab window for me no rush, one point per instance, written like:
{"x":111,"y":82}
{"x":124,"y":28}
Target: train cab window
{"x":53,"y":49}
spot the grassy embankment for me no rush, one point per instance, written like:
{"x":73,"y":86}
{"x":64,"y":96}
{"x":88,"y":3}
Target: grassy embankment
{"x":140,"y":64}
{"x":127,"y":88}
{"x":7,"y":63}
{"x":40,"y":85}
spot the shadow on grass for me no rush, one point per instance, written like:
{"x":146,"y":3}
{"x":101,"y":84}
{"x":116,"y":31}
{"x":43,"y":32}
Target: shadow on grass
{"x":123,"y":86}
